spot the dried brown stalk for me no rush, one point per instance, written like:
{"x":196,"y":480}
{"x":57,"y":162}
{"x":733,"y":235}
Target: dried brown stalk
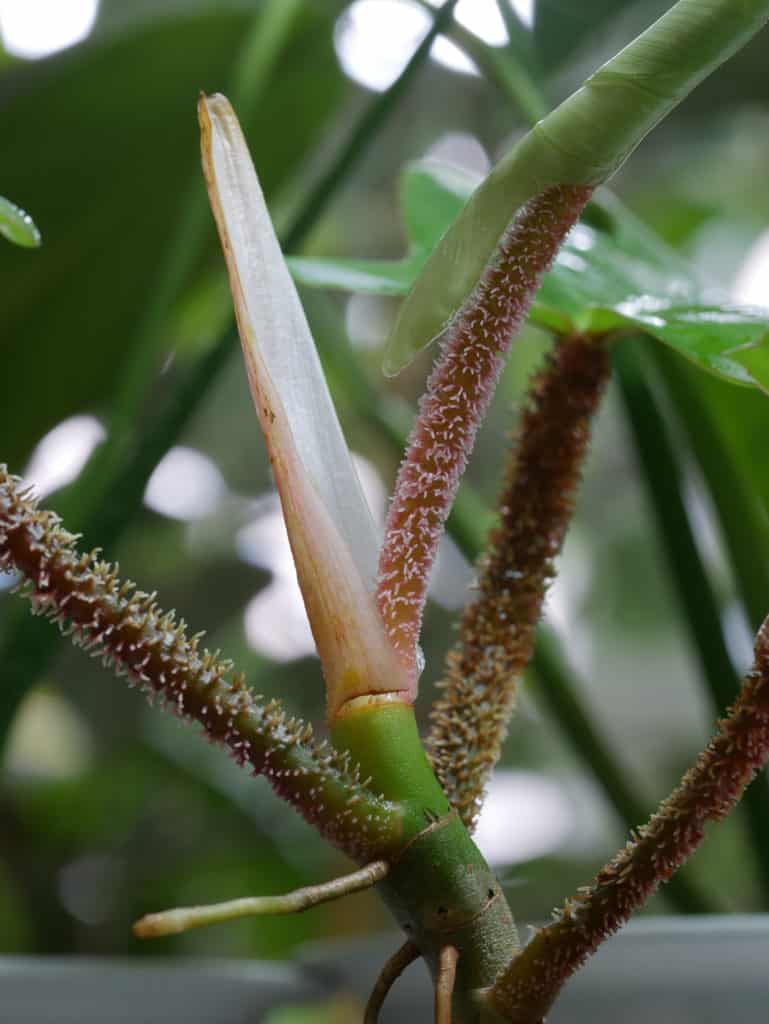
{"x":469,"y":720}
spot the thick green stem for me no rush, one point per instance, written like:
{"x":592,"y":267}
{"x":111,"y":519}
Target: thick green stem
{"x":559,"y":690}
{"x":439,"y":887}
{"x":661,"y":473}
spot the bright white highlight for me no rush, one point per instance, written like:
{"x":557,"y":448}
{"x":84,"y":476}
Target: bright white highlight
{"x":185,"y":485}
{"x":37,"y":28}
{"x":61,"y":454}
{"x":525,"y":9}
{"x":751,"y":286}
{"x":482,"y":18}
{"x":376,"y":38}
{"x":525,"y":816}
{"x":275,"y":620}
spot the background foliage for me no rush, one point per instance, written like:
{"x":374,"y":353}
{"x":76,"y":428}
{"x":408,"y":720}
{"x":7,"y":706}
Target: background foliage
{"x":108,"y":809}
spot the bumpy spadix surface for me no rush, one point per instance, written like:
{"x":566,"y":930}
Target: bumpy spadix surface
{"x":458,"y":394}
{"x":329,"y":524}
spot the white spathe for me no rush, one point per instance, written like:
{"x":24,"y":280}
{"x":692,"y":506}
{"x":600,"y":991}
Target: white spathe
{"x":333,"y":539}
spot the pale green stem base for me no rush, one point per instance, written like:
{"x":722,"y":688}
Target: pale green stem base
{"x":439,"y":888}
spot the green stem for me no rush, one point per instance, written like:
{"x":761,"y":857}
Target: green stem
{"x":504,"y":66}
{"x":661,"y":474}
{"x":439,"y":887}
{"x":560,"y":688}
{"x":522,"y":66}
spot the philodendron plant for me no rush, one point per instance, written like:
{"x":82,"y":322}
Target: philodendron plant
{"x":404,"y":809}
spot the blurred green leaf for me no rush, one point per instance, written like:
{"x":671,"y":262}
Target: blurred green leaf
{"x":112,"y":124}
{"x":607,"y":277}
{"x":17,"y":226}
{"x":561,"y":27}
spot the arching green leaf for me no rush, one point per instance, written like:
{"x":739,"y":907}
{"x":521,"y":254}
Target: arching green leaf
{"x":583,"y":141}
{"x":612,"y":273}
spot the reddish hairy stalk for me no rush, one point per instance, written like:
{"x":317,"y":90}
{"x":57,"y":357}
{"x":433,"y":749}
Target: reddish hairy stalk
{"x":458,"y":393}
{"x":132,"y":635}
{"x":469,"y":720}
{"x":708,"y":791}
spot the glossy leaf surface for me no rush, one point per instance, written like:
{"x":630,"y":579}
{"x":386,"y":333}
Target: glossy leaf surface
{"x":582,"y":142}
{"x":611,"y":274}
{"x":17,"y":226}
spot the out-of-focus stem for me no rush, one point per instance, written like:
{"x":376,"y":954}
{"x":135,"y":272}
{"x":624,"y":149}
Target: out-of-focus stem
{"x":181,"y":919}
{"x":661,"y":474}
{"x":743,"y":522}
{"x":389,"y":974}
{"x":270,"y":29}
{"x":366,"y":128}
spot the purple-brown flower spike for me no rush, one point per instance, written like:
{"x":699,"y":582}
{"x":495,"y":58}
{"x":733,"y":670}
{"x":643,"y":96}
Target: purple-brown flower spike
{"x":329,"y":525}
{"x":525,"y":991}
{"x":458,"y":393}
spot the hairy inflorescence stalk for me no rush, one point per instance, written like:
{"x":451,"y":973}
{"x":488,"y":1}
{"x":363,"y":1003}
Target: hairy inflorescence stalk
{"x":708,"y":792}
{"x":134,"y":637}
{"x":469,"y":720}
{"x":458,"y":393}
